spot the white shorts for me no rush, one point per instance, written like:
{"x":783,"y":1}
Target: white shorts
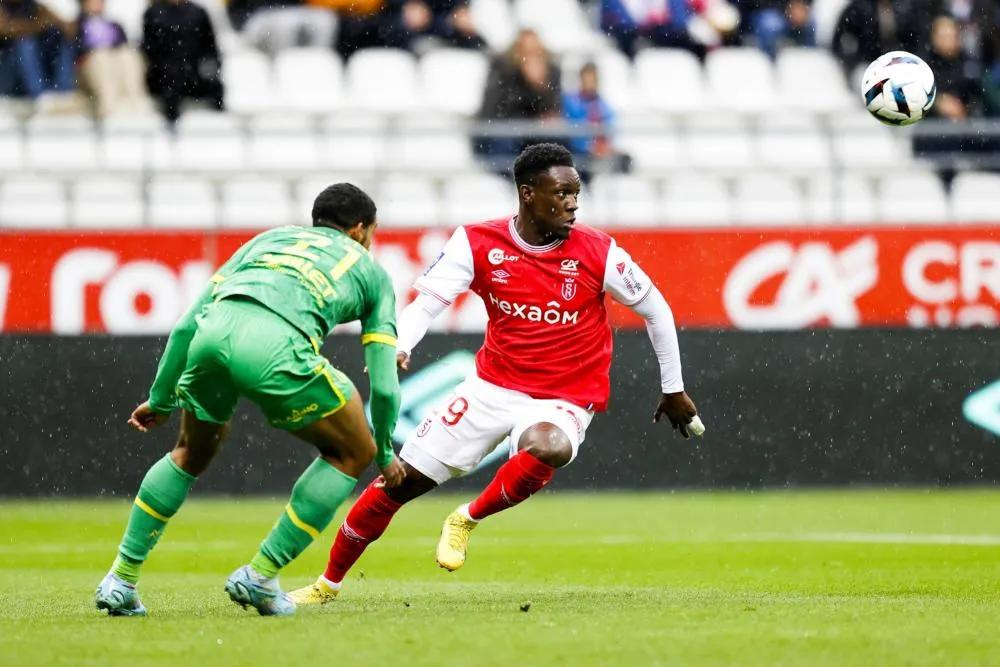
{"x":477,"y":417}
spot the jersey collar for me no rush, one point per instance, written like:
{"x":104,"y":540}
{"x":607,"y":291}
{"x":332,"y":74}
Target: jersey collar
{"x":524,"y":245}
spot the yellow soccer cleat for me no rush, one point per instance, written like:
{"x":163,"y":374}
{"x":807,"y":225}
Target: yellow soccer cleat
{"x":319,"y":592}
{"x":454,"y":540}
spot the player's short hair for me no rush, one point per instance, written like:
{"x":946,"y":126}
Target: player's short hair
{"x":343,"y":205}
{"x":538,"y":159}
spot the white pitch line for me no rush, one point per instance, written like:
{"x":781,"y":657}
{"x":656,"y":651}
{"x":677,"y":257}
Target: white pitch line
{"x":875,"y":538}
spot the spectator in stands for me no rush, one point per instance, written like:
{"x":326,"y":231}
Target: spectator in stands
{"x":868,"y":28}
{"x":776,"y":23}
{"x":958,"y":83}
{"x":978,"y":25}
{"x":275,"y":25}
{"x":182,"y":56}
{"x":694,"y":25}
{"x":587,"y":109}
{"x":447,"y":22}
{"x":111,"y":71}
{"x":36,"y":54}
{"x":522,"y":84}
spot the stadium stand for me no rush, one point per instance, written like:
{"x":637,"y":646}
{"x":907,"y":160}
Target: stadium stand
{"x":737,"y":139}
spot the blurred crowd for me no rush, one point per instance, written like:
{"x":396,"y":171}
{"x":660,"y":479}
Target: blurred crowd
{"x":177,"y":58}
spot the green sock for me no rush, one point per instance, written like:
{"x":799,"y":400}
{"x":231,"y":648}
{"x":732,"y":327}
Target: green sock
{"x":161,"y":494}
{"x":315,"y":498}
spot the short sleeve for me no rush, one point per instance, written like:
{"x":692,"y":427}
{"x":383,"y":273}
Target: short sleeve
{"x":623,"y":279}
{"x":451,"y":273}
{"x":379,"y":324}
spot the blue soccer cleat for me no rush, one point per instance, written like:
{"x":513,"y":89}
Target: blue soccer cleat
{"x":265,"y":596}
{"x":118,"y":598}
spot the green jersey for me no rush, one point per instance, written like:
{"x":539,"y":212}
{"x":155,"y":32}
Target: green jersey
{"x":315,"y":278}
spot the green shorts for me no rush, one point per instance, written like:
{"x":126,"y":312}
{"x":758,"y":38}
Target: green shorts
{"x":243,"y":349}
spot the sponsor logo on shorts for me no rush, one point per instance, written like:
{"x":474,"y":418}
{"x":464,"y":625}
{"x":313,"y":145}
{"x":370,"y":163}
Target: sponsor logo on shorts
{"x":425,"y":426}
{"x":498,"y":257}
{"x":298,"y":414}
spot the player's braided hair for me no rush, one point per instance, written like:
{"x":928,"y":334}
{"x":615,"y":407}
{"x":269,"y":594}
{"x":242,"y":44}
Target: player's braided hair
{"x":538,"y":159}
{"x":342,"y":206}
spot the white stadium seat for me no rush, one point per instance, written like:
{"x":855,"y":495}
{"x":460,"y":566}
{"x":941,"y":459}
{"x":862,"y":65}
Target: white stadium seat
{"x":494,"y":20}
{"x":975,"y":197}
{"x":66,"y":143}
{"x":407,"y":201}
{"x":740,"y":79}
{"x":768,"y":200}
{"x":717,"y":140}
{"x":283,"y":142}
{"x":846,"y":199}
{"x":696,"y":201}
{"x":812,"y":80}
{"x":453,"y":80}
{"x":626,"y":200}
{"x":912,"y":197}
{"x":382,"y":80}
{"x":11,"y":149}
{"x":33,"y":202}
{"x":792,"y":142}
{"x":209,"y":141}
{"x":256,"y":203}
{"x":561,"y":24}
{"x":309,"y":80}
{"x":107,"y":202}
{"x":183,"y":203}
{"x":670,"y":80}
{"x":477,"y":197}
{"x":249,"y":84}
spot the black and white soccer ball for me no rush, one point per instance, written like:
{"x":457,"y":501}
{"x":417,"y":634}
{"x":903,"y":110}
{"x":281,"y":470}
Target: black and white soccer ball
{"x":898,"y":88}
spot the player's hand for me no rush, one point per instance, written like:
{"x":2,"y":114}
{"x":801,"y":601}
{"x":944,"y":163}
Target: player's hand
{"x":679,"y":409}
{"x":403,"y":361}
{"x":393,"y":474}
{"x":144,"y":418}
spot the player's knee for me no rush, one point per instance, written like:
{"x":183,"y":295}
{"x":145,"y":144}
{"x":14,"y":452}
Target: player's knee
{"x":547,"y":443}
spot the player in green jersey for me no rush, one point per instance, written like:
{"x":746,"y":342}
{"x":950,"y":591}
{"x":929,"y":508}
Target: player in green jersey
{"x":256,"y":332}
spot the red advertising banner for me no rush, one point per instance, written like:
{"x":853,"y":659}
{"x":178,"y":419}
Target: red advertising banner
{"x":140,"y":282}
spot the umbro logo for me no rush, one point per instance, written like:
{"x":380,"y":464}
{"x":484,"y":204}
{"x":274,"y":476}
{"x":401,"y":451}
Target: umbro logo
{"x":500,"y":276}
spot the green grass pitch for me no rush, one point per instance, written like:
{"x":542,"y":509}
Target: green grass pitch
{"x":777,"y":578}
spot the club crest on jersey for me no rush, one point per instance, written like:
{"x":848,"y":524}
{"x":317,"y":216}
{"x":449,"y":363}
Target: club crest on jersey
{"x":496,"y":256}
{"x":570,"y":267}
{"x":569,"y":289}
{"x":500,"y":276}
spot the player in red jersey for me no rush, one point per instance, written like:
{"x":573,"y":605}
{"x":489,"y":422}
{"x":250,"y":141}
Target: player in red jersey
{"x":543,"y":369}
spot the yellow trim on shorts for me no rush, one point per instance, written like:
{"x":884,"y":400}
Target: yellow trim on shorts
{"x":322,"y":369}
{"x":299,"y":523}
{"x":314,"y":344}
{"x":385,"y":339}
{"x":149,"y":510}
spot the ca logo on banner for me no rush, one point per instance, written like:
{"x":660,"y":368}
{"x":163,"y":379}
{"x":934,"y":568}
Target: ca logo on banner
{"x":819,"y":284}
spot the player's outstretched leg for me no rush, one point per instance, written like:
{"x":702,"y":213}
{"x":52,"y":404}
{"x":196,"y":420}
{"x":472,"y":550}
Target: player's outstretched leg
{"x":346,"y":449}
{"x":543,"y":448}
{"x":160,"y":496}
{"x":369,"y":517}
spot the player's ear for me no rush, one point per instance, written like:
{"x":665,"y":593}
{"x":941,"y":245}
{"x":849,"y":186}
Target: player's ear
{"x":526,"y":193}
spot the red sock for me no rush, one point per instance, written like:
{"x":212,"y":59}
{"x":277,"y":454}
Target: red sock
{"x":514,"y":482}
{"x":365,"y":523}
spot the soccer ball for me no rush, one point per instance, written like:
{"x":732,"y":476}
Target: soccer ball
{"x":898,"y":88}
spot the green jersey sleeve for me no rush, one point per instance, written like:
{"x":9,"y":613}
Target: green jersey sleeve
{"x":378,"y":323}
